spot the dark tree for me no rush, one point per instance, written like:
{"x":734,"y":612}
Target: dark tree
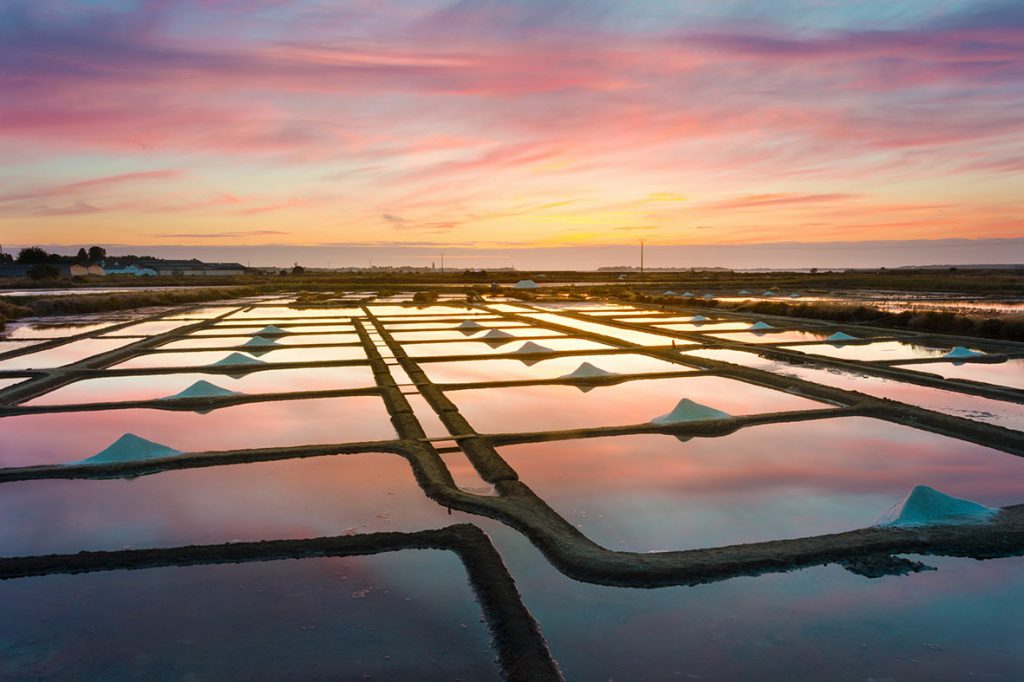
{"x":97,"y":253}
{"x":32,"y":254}
{"x":43,"y":271}
{"x":298,"y":269}
{"x":82,"y":256}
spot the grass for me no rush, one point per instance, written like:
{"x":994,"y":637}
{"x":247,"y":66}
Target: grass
{"x":43,"y":306}
{"x":1008,"y":327}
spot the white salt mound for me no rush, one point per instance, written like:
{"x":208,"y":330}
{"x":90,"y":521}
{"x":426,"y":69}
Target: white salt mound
{"x":202,"y":389}
{"x":794,"y":295}
{"x":526,"y":284}
{"x":271,"y":330}
{"x":130,"y":447}
{"x":926,"y":506}
{"x":497,"y":334}
{"x":688,"y":295}
{"x":260,"y":342}
{"x":744,"y":292}
{"x":961,"y":352}
{"x":470,"y":324}
{"x":689,"y":411}
{"x":758,"y":326}
{"x":670,"y":293}
{"x":587,"y":371}
{"x":767,"y":293}
{"x":237,"y":359}
{"x":841,"y":336}
{"x":698,"y":318}
{"x":708,"y":296}
{"x":531,"y":347}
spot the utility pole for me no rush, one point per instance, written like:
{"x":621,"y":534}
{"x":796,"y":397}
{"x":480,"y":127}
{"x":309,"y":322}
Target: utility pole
{"x":641,"y":256}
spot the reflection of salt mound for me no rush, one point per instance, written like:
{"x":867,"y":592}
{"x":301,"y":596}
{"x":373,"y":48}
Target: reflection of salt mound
{"x":202,"y":389}
{"x":497,"y":334}
{"x":959,"y":352}
{"x":698,"y":318}
{"x":926,"y":506}
{"x":588,"y":371}
{"x":271,"y":330}
{"x":128,"y":448}
{"x":689,"y":411}
{"x":760,"y":326}
{"x":526,"y":284}
{"x":841,"y":336}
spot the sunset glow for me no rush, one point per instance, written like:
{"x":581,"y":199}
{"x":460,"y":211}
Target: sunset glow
{"x":484,"y":124}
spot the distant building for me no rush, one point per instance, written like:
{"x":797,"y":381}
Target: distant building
{"x":132,"y":269}
{"x":175,"y":268}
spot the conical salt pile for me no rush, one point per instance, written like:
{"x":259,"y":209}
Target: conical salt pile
{"x":688,"y":295}
{"x":271,"y":330}
{"x":841,"y":336}
{"x":767,"y":293}
{"x":128,"y":448}
{"x":497,"y":334}
{"x":588,"y":371}
{"x":708,"y":297}
{"x":698,"y":318}
{"x":744,"y":292}
{"x":260,"y":342}
{"x":760,"y":327}
{"x":526,"y":284}
{"x":670,"y":293}
{"x":237,"y":359}
{"x":470,"y":324}
{"x":960,"y":352}
{"x":689,"y":411}
{"x":794,"y":295}
{"x":202,"y":389}
{"x":926,"y":506}
{"x":531,"y":347}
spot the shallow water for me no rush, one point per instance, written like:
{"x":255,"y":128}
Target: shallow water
{"x":472,"y":334}
{"x":51,"y":329}
{"x":551,"y":408}
{"x":400,"y":615}
{"x":771,"y":336}
{"x":883,"y":350}
{"x":652,"y":492}
{"x":299,"y":498}
{"x":277,"y":355}
{"x":153,"y":386}
{"x":67,"y":436}
{"x":697,"y":327}
{"x":998,"y":412}
{"x":424,"y":350}
{"x":286,"y":340}
{"x":474,"y":371}
{"x":628,"y":335}
{"x":1009,"y":373}
{"x":69,"y":353}
{"x":282,"y":312}
{"x":824,"y":623}
{"x":148,"y":328}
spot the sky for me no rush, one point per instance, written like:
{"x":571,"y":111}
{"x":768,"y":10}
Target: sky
{"x":532,"y":133}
